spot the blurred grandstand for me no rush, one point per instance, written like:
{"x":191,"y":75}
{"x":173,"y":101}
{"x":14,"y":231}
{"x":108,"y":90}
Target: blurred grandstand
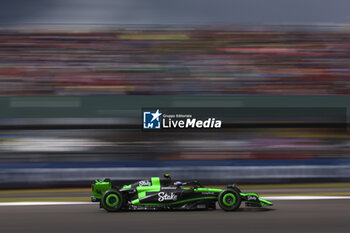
{"x":72,"y":95}
{"x":175,"y":61}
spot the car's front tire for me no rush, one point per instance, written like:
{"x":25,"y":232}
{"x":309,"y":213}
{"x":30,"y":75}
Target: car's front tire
{"x":112,"y":200}
{"x":229,"y":199}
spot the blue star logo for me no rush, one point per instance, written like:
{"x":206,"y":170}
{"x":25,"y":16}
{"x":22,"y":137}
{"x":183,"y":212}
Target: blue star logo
{"x":152,"y":120}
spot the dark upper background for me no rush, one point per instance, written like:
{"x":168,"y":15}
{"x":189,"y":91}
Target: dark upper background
{"x":174,"y":12}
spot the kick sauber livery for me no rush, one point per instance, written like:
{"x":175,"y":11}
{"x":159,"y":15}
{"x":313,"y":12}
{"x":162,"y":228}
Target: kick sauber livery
{"x":161,"y":193}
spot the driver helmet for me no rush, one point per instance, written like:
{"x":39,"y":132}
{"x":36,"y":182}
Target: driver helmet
{"x":178,"y":183}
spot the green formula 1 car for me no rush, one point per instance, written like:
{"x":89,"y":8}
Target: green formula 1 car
{"x":162,"y":193}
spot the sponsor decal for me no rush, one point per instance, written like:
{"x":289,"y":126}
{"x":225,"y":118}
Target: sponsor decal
{"x":208,"y":193}
{"x":162,"y":196}
{"x":251,"y":198}
{"x":144,"y":183}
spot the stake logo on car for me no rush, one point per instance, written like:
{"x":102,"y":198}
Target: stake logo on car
{"x":252,"y":198}
{"x":166,"y":197}
{"x":144,"y":183}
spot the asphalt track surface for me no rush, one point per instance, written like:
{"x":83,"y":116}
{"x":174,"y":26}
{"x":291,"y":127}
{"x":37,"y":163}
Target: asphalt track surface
{"x":285,"y":216}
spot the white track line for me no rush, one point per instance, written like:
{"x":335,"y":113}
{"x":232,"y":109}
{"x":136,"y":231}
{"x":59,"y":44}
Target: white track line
{"x":31,"y":203}
{"x":272,"y":198}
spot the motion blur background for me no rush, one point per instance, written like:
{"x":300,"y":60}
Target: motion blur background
{"x":75,"y":74}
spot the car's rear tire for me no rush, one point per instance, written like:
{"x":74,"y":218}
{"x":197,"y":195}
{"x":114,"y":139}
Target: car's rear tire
{"x":112,"y":200}
{"x":229,"y":199}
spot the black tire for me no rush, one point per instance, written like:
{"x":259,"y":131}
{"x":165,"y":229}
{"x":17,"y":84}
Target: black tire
{"x":229,"y":200}
{"x":237,"y":189}
{"x":112,"y":200}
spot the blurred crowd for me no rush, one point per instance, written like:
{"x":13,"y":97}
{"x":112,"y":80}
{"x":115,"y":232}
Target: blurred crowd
{"x":132,"y":145}
{"x":175,"y":61}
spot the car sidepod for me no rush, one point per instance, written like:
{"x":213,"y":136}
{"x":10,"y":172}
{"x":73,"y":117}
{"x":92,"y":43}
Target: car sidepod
{"x":179,"y":197}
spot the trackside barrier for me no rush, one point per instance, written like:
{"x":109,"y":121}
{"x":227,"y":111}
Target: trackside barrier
{"x":51,"y":177}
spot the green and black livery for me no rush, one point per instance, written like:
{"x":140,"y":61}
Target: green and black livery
{"x":160,"y":193}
